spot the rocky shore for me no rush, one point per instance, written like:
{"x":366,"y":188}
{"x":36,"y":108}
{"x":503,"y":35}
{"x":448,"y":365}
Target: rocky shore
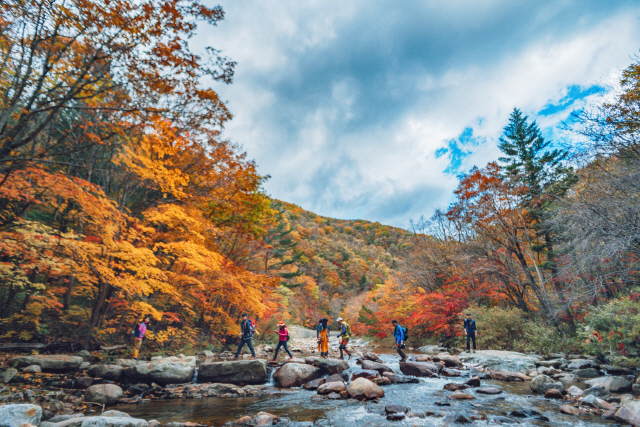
{"x":75,"y":390}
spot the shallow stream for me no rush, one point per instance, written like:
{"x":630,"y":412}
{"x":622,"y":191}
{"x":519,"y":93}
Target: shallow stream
{"x":297,"y":406}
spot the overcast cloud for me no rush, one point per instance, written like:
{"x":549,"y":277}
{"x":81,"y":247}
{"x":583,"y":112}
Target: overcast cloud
{"x":370,"y":110}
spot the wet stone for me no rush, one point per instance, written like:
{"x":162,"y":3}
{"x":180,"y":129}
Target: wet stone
{"x":455,"y":386}
{"x":553,"y":394}
{"x":489,"y":390}
{"x":456,"y":418}
{"x":473,"y":382}
{"x":395,"y":409}
{"x":396,"y":417}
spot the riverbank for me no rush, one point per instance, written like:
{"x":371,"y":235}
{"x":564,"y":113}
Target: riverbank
{"x":431,"y":389}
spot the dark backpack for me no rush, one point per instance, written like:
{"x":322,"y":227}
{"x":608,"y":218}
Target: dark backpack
{"x":405,"y":331}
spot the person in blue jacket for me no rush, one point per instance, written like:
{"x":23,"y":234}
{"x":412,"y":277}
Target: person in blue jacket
{"x":470,"y":331}
{"x":398,"y":334}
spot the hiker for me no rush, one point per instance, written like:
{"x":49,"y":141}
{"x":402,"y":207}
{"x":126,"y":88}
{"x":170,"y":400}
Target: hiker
{"x":139,"y":332}
{"x":283,"y":337}
{"x":246,"y":335}
{"x":398,"y":334}
{"x":345,"y":334}
{"x":323,"y":337}
{"x":470,"y":331}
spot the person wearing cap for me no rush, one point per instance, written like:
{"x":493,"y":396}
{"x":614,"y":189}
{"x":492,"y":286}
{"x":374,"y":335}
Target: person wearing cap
{"x":246,"y":335}
{"x":283,"y":337}
{"x":323,"y":337}
{"x":345,"y":333}
{"x":470,"y":331}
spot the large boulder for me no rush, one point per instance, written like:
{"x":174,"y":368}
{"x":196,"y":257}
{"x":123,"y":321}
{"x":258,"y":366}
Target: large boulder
{"x":107,"y":372}
{"x":449,"y":361}
{"x":168,"y":370}
{"x":400,"y":379}
{"x":106,"y":394}
{"x":234,"y":372}
{"x":419,"y":369}
{"x":332,"y":387}
{"x":19,"y":415}
{"x":295,"y":374}
{"x":52,"y":362}
{"x":375,"y":366}
{"x":613,"y":384}
{"x":362,"y":388}
{"x":597,"y":390}
{"x":629,"y":413}
{"x":586,"y":373}
{"x":497,"y":360}
{"x":103,"y":421}
{"x":328,"y":366}
{"x":542,"y":383}
{"x":582,"y":364}
{"x":508,"y":376}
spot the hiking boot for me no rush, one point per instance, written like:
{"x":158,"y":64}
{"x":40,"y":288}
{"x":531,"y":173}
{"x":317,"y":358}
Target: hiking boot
{"x":403,"y":359}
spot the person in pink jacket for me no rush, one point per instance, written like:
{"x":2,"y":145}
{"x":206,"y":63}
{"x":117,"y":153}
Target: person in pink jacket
{"x":283,"y":337}
{"x":139,"y":332}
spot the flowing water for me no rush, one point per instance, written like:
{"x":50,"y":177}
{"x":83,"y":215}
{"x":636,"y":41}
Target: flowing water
{"x":296,"y":406}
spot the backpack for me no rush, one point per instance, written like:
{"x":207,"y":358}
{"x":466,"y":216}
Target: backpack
{"x":252,"y":327}
{"x":405,"y":331}
{"x":348,"y":329}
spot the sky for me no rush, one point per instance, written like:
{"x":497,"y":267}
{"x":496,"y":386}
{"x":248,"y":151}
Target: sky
{"x":372,"y":109}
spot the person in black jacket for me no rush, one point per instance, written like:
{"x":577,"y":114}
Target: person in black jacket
{"x":470,"y":331}
{"x":246,"y":336}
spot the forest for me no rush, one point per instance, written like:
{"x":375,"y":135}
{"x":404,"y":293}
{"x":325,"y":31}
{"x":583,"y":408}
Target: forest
{"x":119,"y":198}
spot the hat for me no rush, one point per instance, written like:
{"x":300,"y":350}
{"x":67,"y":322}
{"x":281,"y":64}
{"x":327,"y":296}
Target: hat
{"x":339,"y":319}
{"x":281,"y":323}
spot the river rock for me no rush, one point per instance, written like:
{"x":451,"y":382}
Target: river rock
{"x":32,"y":369}
{"x":584,"y":374}
{"x":460,"y":395}
{"x":473,"y":382}
{"x":400,"y":379}
{"x":419,"y":369}
{"x":362,"y":388}
{"x":553,"y":363}
{"x":86,"y":356}
{"x":597,"y":390}
{"x":8,"y":375}
{"x":508,"y":376}
{"x":314,"y":384}
{"x":107,"y":372}
{"x":449,"y":361}
{"x":20,"y":415}
{"x":103,"y":393}
{"x":450,"y":373}
{"x":236,"y":372}
{"x":488,"y":390}
{"x":332,"y":387}
{"x":396,"y":409}
{"x":574,"y":391}
{"x":295,"y":374}
{"x":328,"y":366}
{"x":553,"y":393}
{"x":337,"y":377}
{"x":597,"y":403}
{"x":497,"y":360}
{"x":542,"y":383}
{"x":381,"y":381}
{"x":581,"y":364}
{"x":364,"y":373}
{"x":114,"y":413}
{"x":103,"y":421}
{"x":617,"y":370}
{"x":629,"y":413}
{"x":83,"y":382}
{"x":567,"y":377}
{"x":295,"y":360}
{"x":52,"y":362}
{"x":571,"y":410}
{"x":375,"y":366}
{"x":154,"y":423}
{"x":432,"y":349}
{"x":371,"y":356}
{"x":455,"y":386}
{"x":456,"y":419}
{"x":613,"y":384}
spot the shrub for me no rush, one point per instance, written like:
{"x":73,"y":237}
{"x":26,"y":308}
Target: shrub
{"x":507,"y":328}
{"x":614,"y":327}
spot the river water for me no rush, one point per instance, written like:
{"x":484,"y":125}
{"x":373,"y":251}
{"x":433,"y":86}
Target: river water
{"x":297,"y":407}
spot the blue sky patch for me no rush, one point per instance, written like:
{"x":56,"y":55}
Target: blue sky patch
{"x":574,"y":93}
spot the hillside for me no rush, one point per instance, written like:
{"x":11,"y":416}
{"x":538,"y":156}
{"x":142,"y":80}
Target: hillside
{"x":327,"y":264}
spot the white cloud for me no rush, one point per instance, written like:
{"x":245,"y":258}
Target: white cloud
{"x":345,"y":106}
